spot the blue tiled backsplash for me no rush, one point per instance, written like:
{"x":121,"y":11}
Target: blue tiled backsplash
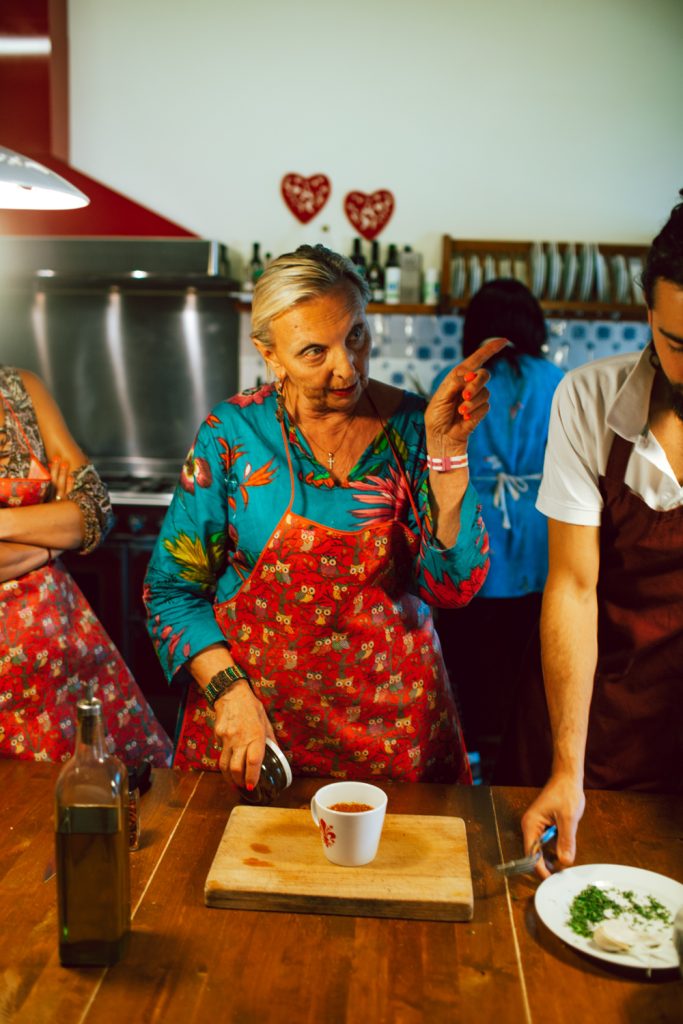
{"x":409,"y":351}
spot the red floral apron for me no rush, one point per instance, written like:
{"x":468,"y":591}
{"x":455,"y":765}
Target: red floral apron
{"x":51,"y":644}
{"x":345,"y":662}
{"x":635,"y":730}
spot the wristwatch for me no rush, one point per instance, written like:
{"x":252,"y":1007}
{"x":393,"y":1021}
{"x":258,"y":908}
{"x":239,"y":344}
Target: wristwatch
{"x":222,"y":682}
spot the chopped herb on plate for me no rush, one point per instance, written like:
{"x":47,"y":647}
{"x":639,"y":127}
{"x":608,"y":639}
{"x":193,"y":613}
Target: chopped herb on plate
{"x":594,"y":904}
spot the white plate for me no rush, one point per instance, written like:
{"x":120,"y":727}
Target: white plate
{"x":489,"y":269}
{"x":621,"y":280}
{"x":475,"y":274}
{"x":586,"y":268}
{"x":554,"y":896}
{"x":601,"y":277}
{"x":571,"y":266}
{"x":554,"y":271}
{"x":538,"y":269}
{"x":635,"y":266}
{"x":458,"y":277}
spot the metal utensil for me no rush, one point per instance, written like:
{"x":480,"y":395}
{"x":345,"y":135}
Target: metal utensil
{"x":525,"y":865}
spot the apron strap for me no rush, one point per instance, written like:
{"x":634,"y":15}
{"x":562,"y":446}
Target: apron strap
{"x":8,"y":408}
{"x":620,"y":452}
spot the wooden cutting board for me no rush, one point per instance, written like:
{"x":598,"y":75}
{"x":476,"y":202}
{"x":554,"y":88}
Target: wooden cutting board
{"x":272,"y":858}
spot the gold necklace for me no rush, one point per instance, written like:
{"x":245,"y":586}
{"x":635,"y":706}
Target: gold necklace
{"x":330,"y":454}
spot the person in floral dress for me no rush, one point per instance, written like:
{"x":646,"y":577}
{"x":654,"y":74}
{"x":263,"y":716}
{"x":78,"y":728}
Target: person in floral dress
{"x":316,"y":520}
{"x":51,"y":643}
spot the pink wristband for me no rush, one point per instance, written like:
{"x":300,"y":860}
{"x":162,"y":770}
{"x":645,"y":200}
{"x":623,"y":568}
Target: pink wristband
{"x":445,"y":463}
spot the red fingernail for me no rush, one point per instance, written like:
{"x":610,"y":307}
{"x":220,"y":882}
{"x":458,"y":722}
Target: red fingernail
{"x":470,"y":376}
{"x":466,"y":416}
{"x":462,"y":410}
{"x":467,"y":395}
{"x":250,"y":786}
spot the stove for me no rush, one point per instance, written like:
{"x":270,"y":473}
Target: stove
{"x":134,"y":481}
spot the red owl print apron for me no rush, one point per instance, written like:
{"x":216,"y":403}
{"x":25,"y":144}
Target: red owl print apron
{"x":346,"y":663}
{"x":51,"y":643}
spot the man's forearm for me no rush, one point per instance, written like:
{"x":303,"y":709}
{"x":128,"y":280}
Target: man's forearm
{"x":569,"y":652}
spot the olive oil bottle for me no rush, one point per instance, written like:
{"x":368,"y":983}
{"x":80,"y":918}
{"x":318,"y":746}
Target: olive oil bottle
{"x":92,"y":850}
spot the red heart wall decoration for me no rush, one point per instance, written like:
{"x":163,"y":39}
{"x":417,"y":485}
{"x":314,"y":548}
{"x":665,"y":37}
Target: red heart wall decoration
{"x":305,"y":196}
{"x":369,"y":214}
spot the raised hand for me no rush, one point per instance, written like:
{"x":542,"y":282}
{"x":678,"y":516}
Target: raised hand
{"x":461,"y":401}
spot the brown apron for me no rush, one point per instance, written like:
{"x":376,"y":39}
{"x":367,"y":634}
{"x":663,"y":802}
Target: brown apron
{"x":635,"y":730}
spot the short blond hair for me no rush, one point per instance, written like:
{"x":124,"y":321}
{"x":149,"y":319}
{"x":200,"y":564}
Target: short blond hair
{"x":295,"y":277}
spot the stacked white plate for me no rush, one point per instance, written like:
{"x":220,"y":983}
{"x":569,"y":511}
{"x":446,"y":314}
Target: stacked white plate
{"x":554,"y":267}
{"x":458,"y":275}
{"x":635,"y":266}
{"x":586,"y":270}
{"x":490,"y":271}
{"x":476,"y":274}
{"x":570,"y":268}
{"x":538,"y":269}
{"x":622,"y":283}
{"x":602,"y":282}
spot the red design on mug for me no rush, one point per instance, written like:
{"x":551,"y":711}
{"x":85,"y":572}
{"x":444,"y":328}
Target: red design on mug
{"x":305,"y":196}
{"x":327,"y":833}
{"x":369,"y":214}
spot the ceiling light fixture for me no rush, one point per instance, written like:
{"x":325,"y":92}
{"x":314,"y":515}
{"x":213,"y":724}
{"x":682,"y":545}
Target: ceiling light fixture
{"x":26,"y":184}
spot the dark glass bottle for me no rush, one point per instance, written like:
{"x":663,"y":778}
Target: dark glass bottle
{"x":256,"y":267}
{"x":92,"y":854}
{"x":276,"y":775}
{"x":376,"y":275}
{"x":392,"y":277}
{"x":357,"y":257}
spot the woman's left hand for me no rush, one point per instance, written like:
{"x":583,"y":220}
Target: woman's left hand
{"x":62,"y":479}
{"x":460,"y":402}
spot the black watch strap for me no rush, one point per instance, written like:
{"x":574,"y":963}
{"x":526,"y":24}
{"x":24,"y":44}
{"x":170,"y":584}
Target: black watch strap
{"x":222,"y":682}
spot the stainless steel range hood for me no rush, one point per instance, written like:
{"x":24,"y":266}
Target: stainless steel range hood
{"x":136,"y":338}
{"x":82,"y":258}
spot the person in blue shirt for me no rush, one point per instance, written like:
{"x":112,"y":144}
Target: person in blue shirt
{"x":484,"y":643}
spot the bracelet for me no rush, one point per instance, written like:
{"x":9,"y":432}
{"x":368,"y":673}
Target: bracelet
{"x":223,"y":681}
{"x":445,"y":463}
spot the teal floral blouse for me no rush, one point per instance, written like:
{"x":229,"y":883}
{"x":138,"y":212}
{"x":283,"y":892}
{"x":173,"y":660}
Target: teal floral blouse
{"x":235,"y":487}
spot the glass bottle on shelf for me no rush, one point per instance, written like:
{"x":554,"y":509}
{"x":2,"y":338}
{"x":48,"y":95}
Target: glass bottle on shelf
{"x":255,"y":268}
{"x":92,"y":847}
{"x":376,"y":275}
{"x":357,"y":256}
{"x":392,"y":277}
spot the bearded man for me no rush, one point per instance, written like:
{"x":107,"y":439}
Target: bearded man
{"x":612,"y":619}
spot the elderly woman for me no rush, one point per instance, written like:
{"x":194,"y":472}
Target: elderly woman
{"x":51,"y":643}
{"x":315,"y":521}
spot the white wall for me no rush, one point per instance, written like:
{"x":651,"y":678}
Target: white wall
{"x":486,"y":118}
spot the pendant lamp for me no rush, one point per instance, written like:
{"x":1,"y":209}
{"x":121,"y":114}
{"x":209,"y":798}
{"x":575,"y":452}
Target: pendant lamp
{"x":27,"y":185}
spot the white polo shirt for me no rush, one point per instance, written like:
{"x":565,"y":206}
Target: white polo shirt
{"x":592,"y":403}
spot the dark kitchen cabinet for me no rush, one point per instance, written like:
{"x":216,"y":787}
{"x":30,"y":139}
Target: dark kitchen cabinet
{"x":111,"y":579}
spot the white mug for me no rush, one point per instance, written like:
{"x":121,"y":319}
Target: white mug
{"x":349,"y":838}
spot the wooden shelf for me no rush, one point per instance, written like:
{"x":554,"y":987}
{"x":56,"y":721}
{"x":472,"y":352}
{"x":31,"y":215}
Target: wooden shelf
{"x":522,"y":251}
{"x":417,"y":309}
{"x":573,"y":310}
{"x":405,"y":309}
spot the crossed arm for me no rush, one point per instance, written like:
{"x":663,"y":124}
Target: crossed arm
{"x":30,"y":535}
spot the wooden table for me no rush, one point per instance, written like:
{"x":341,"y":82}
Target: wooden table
{"x":187,"y":963}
